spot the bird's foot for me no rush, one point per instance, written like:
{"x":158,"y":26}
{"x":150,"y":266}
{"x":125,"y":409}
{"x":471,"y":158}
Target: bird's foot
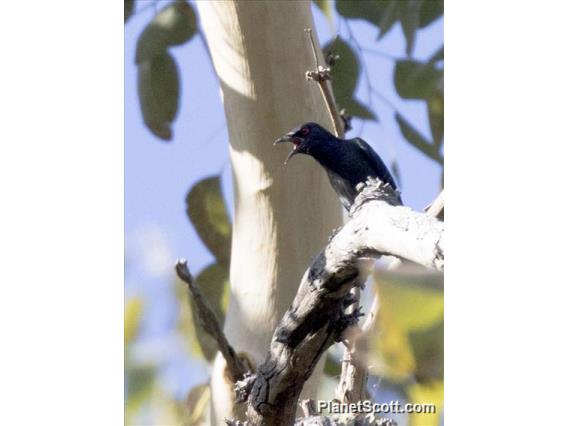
{"x":345,"y":321}
{"x":349,"y":300}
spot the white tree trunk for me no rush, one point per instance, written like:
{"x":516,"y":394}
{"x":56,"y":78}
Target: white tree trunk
{"x":283,"y":215}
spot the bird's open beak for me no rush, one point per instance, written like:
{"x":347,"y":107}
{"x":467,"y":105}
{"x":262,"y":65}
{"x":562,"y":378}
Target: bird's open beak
{"x":289,"y":137}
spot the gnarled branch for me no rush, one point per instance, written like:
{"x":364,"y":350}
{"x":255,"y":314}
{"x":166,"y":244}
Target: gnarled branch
{"x":210,"y":324}
{"x":379,"y":225}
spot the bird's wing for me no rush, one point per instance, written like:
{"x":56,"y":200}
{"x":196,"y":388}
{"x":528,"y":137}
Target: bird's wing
{"x":375,"y":161}
{"x":343,"y":189}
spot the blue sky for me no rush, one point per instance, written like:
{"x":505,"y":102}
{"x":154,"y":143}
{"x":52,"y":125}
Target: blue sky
{"x":158,"y":175}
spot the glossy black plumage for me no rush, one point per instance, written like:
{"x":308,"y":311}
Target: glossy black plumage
{"x":347,"y":162}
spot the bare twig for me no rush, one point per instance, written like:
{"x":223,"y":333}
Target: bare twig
{"x":208,"y":320}
{"x":321,"y":75}
{"x":352,"y":385}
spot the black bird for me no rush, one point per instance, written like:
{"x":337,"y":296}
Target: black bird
{"x":347,"y":162}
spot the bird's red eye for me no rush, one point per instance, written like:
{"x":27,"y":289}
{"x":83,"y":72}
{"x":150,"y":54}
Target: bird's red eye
{"x":305,"y":131}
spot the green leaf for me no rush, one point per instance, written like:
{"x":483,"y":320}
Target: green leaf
{"x":430,"y":10}
{"x":430,"y":393}
{"x":412,"y":14}
{"x":414,"y":302}
{"x":407,"y":309}
{"x":185,"y":326}
{"x":128,"y":9}
{"x":417,"y":140}
{"x":357,"y":109}
{"x":206,"y":210}
{"x":412,"y":276}
{"x":388,"y":18}
{"x":325,"y":7}
{"x":158,"y":90}
{"x":428,"y":348}
{"x":214,"y":283}
{"x":381,"y":13}
{"x":332,"y":367}
{"x":409,"y":13}
{"x":417,"y":80}
{"x":437,"y":56}
{"x":345,"y":72}
{"x":436,"y":118}
{"x":132,"y":319}
{"x":140,"y":382}
{"x":174,"y":25}
{"x":423,"y":80}
{"x":344,"y":75}
{"x":197,"y":400}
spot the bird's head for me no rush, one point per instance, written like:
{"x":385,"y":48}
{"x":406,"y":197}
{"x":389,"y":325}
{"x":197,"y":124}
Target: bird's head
{"x":305,"y":138}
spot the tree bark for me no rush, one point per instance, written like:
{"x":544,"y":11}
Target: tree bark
{"x":282,"y":215}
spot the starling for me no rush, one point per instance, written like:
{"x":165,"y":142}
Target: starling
{"x":347,"y":162}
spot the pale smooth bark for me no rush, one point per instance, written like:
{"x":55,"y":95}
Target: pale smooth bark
{"x":282,"y":215}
